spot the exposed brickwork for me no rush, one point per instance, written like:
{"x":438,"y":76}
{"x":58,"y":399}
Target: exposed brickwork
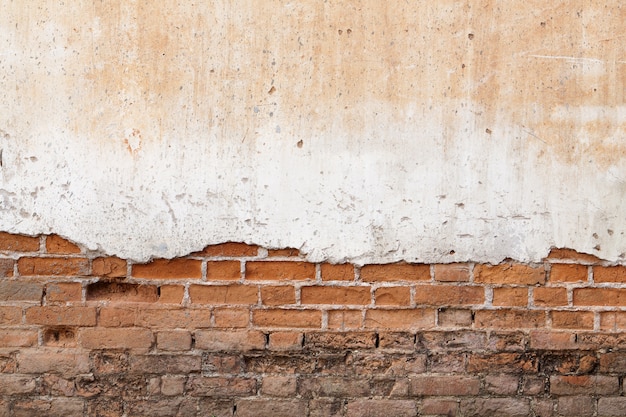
{"x":237,"y":330}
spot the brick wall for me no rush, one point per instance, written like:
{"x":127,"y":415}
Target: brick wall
{"x":238,"y":330}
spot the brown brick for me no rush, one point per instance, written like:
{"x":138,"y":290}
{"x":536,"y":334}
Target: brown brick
{"x":18,"y":338}
{"x":546,"y":340}
{"x":509,"y":319}
{"x":603,"y":274}
{"x":168,"y":269}
{"x":452,"y":272}
{"x":451,"y":317}
{"x":10,"y":315}
{"x":550,"y":296}
{"x":412,"y":319}
{"x":340,"y":340}
{"x":280,"y":270}
{"x":53,"y":266}
{"x":285,"y":341}
{"x":230,"y":340}
{"x":64,"y":292}
{"x":17,"y":384}
{"x":224,"y":294}
{"x":502,"y":362}
{"x":443,"y":385}
{"x":45,"y":360}
{"x":287,"y":318}
{"x":231,"y":317}
{"x":611,"y":406}
{"x":505,"y":407}
{"x":340,"y":272}
{"x":335,"y":295}
{"x":441,"y":295}
{"x":502,"y":384}
{"x":510,"y":296}
{"x":286,"y":252}
{"x":174,"y":340}
{"x":380,"y":408}
{"x":439,"y":406}
{"x":115,"y":338}
{"x":270,"y":407}
{"x":61,"y":316}
{"x":279,"y":386}
{"x":20,"y":291}
{"x":572,"y":255}
{"x":572,"y":320}
{"x":395,"y":272}
{"x":452,"y":340}
{"x":18,"y":243}
{"x":57,"y":244}
{"x":576,"y":406}
{"x":583,"y":385}
{"x":278,"y":295}
{"x":345,"y":319}
{"x":202,"y":386}
{"x":110,"y":267}
{"x":121,"y":292}
{"x":393,"y":296}
{"x":509,"y":273}
{"x":6,"y":268}
{"x":600,"y":297}
{"x":333,"y":386}
{"x":223,"y":270}
{"x":171,"y":294}
{"x":164,"y":364}
{"x":231,"y":250}
{"x":568,"y":273}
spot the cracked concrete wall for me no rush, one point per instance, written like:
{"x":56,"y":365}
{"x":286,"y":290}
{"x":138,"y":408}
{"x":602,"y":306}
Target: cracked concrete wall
{"x":363,"y":130}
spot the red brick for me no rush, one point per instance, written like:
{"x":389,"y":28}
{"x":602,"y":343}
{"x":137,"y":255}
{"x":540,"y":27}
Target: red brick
{"x":171,"y":294}
{"x":287,"y":318}
{"x":168,"y":269}
{"x":340,"y":272}
{"x":18,"y":243}
{"x":450,"y":317}
{"x":550,"y":296}
{"x":568,"y":273}
{"x":231,"y":317}
{"x":509,"y":319}
{"x":121,"y":292}
{"x":603,"y":274}
{"x":46,"y":360}
{"x":345,"y":319}
{"x":115,"y":338}
{"x":53,"y":266}
{"x":174,"y":340}
{"x":287,"y":252}
{"x":223,"y":270}
{"x":64,"y":292}
{"x":584,"y":385}
{"x":10,"y":315}
{"x":510,"y":296}
{"x":379,"y":408}
{"x":509,"y":273}
{"x":443,"y":385}
{"x":393,"y":296}
{"x":110,"y":267}
{"x":270,"y":407}
{"x":229,"y":340}
{"x":62,"y":316}
{"x":279,"y":386}
{"x":17,"y":338}
{"x":20,"y":291}
{"x":6,"y":268}
{"x":395,"y":272}
{"x":600,"y":297}
{"x":335,"y":295}
{"x":440,"y":295}
{"x":277,"y":295}
{"x":280,"y":270}
{"x":231,"y":250}
{"x":572,"y":255}
{"x":285,"y":341}
{"x":57,"y":244}
{"x":452,"y":272}
{"x":572,"y":320}
{"x":412,"y":319}
{"x":224,"y":294}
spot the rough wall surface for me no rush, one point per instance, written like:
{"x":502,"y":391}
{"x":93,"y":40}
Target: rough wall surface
{"x":429,"y":131}
{"x":238,"y":330}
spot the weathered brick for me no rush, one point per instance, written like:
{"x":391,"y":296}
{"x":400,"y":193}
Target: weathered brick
{"x":173,"y":340}
{"x":583,"y":385}
{"x":10,"y":315}
{"x":121,"y":292}
{"x":173,"y":385}
{"x":164,"y":364}
{"x":18,"y":243}
{"x":509,"y":273}
{"x":200,"y":386}
{"x":285,"y":252}
{"x":440,"y":295}
{"x":460,"y":340}
{"x":345,"y":319}
{"x":109,"y":267}
{"x":568,"y":273}
{"x":333,"y":386}
{"x":395,"y":272}
{"x":340,"y":272}
{"x":501,"y":407}
{"x":155,"y":317}
{"x":286,"y":341}
{"x":279,"y":386}
{"x":46,"y":360}
{"x":576,"y":406}
{"x":61,"y":316}
{"x":572,"y":255}
{"x":393,"y":296}
{"x":64,"y":292}
{"x":270,"y":407}
{"x":396,"y":341}
{"x":381,"y":408}
{"x":287,"y":318}
{"x":600,"y":297}
{"x":231,"y":317}
{"x":326,"y":407}
{"x":59,"y":336}
{"x":58,"y":245}
{"x":169,"y":269}
{"x":171,"y":294}
{"x":452,"y":317}
{"x":444,"y":385}
{"x":278,"y":295}
{"x":452,"y":272}
{"x":20,"y":291}
{"x":53,"y":266}
{"x":57,"y":407}
{"x":613,"y":362}
{"x":115,"y":338}
{"x":510,"y":296}
{"x":439,"y":406}
{"x":223,"y":270}
{"x":6,"y":268}
{"x":340,"y":340}
{"x":411,"y":319}
{"x":18,"y":338}
{"x":230,"y":340}
{"x":502,"y":384}
{"x":280,"y":271}
{"x":224,"y":294}
{"x":543,"y":296}
{"x":16,"y":384}
{"x":445,"y":362}
{"x":335,"y":295}
{"x":509,"y":319}
{"x":502,"y":362}
{"x":544,"y":340}
{"x":506,"y":341}
{"x":231,"y":250}
{"x":611,"y":406}
{"x":572,"y":320}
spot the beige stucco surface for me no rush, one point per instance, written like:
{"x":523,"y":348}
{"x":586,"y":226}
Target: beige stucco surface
{"x":365,"y":130}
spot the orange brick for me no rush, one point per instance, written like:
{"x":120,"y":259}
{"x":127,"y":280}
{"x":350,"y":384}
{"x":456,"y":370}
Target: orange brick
{"x":613,"y":320}
{"x":550,"y":296}
{"x":600,"y":297}
{"x":441,"y":295}
{"x":393,"y":296}
{"x":6,"y":268}
{"x":10,"y":315}
{"x":509,"y":319}
{"x":280,"y":270}
{"x":335,"y":295}
{"x":290,"y":252}
{"x":278,"y":295}
{"x":287,"y":318}
{"x":609,"y":274}
{"x":572,"y":320}
{"x":395,"y":272}
{"x":223,"y":294}
{"x":568,"y":273}
{"x":412,"y":319}
{"x":285,"y":341}
{"x":341,"y":272}
{"x":231,"y":249}
{"x":64,"y":291}
{"x":231,"y":317}
{"x":509,"y":273}
{"x":171,"y":294}
{"x":452,"y":272}
{"x":61,"y":316}
{"x":174,"y":340}
{"x":18,"y":243}
{"x":572,"y":255}
{"x":345,"y":319}
{"x":168,"y":269}
{"x":59,"y":245}
{"x":163,"y":318}
{"x":223,"y":270}
{"x":53,"y":266}
{"x":115,"y":338}
{"x":510,"y":296}
{"x":18,"y":338}
{"x":111,"y":267}
{"x":118,"y":317}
